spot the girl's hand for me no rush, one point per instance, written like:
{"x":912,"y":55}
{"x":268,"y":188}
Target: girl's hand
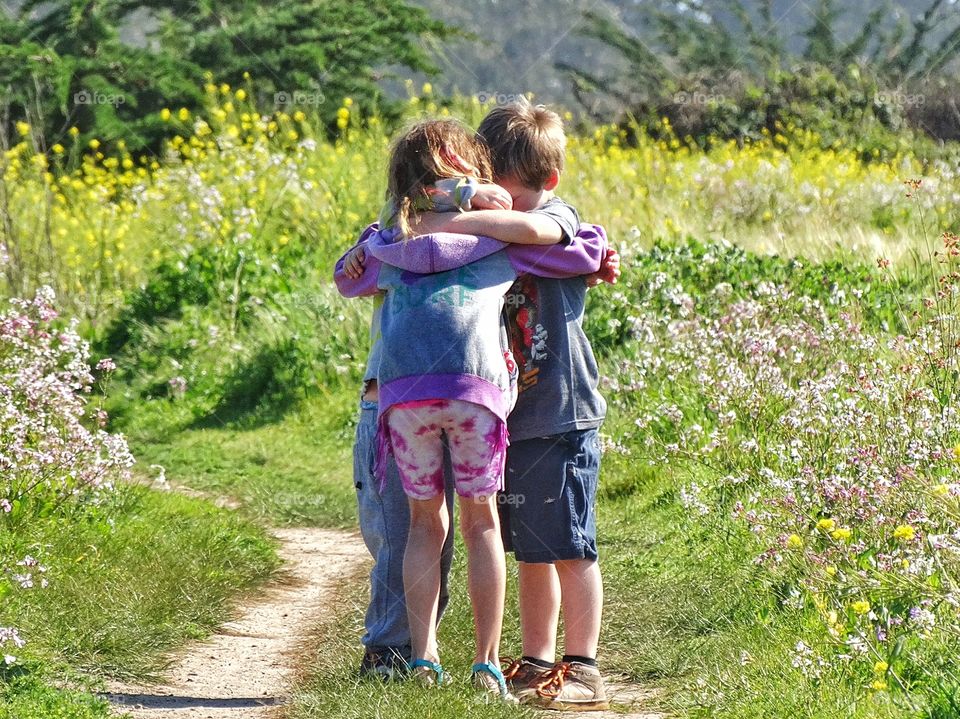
{"x":491,"y":197}
{"x":353,"y":263}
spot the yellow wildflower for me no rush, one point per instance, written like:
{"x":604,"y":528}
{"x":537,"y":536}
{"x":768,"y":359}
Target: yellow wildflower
{"x":23,"y":128}
{"x":880,"y":667}
{"x":241,"y":94}
{"x":826,"y":524}
{"x":860,"y":607}
{"x":57,"y":149}
{"x":165,"y":114}
{"x":904,"y":533}
{"x":879,"y":685}
{"x":94,"y":144}
{"x":841,"y":534}
{"x":794,"y":541}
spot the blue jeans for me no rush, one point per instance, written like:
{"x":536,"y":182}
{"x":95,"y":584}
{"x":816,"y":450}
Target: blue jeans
{"x":384,"y":524}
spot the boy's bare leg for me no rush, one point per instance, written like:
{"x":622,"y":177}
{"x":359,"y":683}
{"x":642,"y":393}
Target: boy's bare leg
{"x":487,"y":573}
{"x":421,"y":573}
{"x":581,"y":589}
{"x":539,"y":589}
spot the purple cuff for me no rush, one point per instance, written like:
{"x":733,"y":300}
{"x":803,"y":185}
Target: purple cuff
{"x":582,"y":255}
{"x":366,"y":284}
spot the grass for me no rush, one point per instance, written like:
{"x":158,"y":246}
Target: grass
{"x":30,"y":697}
{"x":129,"y":580}
{"x":686,"y":609}
{"x":297,"y":471}
{"x":685,"y":612}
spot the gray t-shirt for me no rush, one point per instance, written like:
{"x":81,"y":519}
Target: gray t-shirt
{"x":558,"y":372}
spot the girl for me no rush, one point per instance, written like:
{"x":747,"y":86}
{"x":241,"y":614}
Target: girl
{"x":443,"y":372}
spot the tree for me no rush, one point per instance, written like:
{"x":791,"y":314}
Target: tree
{"x":79,"y":72}
{"x":735,"y":50}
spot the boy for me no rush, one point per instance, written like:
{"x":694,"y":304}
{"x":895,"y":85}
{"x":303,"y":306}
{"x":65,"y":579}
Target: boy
{"x":384,"y":518}
{"x":554,"y":457}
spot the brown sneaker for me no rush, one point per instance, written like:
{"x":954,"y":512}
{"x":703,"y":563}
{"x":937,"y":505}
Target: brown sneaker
{"x":520,"y":674}
{"x":569,"y":686}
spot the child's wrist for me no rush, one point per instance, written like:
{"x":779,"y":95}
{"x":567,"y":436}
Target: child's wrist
{"x":454,"y":193}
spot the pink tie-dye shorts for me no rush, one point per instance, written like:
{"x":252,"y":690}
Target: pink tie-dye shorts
{"x":477,"y":439}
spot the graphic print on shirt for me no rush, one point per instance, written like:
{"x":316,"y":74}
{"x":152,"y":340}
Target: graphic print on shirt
{"x":528,"y":338}
{"x":455,"y":288}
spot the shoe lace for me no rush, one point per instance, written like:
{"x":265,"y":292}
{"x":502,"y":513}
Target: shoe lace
{"x":551,"y":683}
{"x":513,"y":667}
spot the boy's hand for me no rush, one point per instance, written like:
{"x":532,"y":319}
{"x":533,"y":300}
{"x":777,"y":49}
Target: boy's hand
{"x":609,"y":269}
{"x":491,"y":197}
{"x":353,"y":263}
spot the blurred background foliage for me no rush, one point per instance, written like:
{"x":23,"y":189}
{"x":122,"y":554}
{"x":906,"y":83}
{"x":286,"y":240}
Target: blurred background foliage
{"x":871,"y":70}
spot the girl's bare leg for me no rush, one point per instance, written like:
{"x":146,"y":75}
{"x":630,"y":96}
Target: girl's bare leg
{"x":487,"y":573}
{"x":421,"y":573}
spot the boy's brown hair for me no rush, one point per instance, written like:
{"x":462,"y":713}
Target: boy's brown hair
{"x":526,"y":142}
{"x":427,"y":152}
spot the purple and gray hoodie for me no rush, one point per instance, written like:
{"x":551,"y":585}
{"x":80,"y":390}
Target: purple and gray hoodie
{"x":440,"y":322}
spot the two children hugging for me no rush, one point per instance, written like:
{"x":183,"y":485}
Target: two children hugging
{"x":443,"y":370}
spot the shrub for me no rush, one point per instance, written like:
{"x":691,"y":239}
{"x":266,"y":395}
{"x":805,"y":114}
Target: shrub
{"x":50,"y":458}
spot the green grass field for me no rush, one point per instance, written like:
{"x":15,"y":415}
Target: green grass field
{"x":753,"y":567}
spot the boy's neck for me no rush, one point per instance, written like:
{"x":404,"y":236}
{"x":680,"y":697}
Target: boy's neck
{"x":533,"y":199}
{"x":545,"y":197}
{"x":527,"y":198}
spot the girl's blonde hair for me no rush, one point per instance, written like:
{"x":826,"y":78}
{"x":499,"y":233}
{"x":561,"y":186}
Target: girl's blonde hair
{"x":427,"y":152}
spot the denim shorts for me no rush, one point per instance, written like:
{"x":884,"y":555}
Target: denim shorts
{"x":548,"y":506}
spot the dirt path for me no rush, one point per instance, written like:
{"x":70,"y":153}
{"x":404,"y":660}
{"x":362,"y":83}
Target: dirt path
{"x":248,"y":665}
{"x":627,"y":701}
{"x":246,"y":669}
